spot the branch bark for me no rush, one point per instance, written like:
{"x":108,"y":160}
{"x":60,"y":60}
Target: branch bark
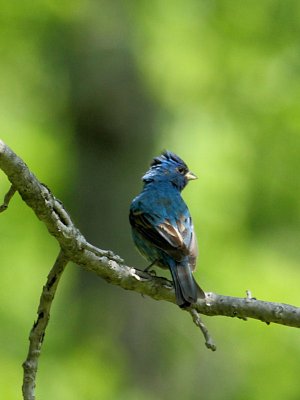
{"x":111,"y":267}
{"x":38,"y":330}
{"x":7,"y":198}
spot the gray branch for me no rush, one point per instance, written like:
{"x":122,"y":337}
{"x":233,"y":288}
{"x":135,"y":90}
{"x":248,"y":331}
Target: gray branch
{"x":111,"y":267}
{"x":107,"y":265}
{"x":38,"y":330}
{"x":209,"y":343}
{"x":7,"y":198}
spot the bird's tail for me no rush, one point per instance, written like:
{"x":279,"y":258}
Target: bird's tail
{"x":187,"y":290}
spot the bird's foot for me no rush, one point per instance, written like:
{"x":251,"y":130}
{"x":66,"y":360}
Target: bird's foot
{"x":149,"y":270}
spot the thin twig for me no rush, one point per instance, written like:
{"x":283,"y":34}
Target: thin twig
{"x":7,"y":198}
{"x":209,"y":343}
{"x":38,"y":330}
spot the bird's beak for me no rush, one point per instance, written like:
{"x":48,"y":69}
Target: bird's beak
{"x":190,"y":176}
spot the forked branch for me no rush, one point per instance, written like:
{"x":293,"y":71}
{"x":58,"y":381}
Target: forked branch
{"x":107,"y":265}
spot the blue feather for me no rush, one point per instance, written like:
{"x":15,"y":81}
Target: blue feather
{"x":162,"y":227}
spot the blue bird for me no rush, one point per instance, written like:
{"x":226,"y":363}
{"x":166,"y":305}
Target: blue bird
{"x":162,"y":227}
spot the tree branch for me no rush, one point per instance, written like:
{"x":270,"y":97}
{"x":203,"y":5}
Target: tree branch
{"x":7,"y":198}
{"x":209,"y":343}
{"x":38,"y":330}
{"x":111,"y":267}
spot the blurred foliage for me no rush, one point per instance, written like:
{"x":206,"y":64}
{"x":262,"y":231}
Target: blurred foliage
{"x":90,"y":92}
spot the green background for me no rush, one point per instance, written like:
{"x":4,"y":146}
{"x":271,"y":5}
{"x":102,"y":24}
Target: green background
{"x":90,"y":92}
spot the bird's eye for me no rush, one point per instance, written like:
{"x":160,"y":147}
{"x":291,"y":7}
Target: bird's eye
{"x":181,"y":170}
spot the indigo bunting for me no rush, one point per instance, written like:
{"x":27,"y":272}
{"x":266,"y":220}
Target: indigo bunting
{"x":162,"y":227}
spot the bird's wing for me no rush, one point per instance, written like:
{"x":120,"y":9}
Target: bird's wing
{"x":176,"y":238}
{"x":181,"y":236}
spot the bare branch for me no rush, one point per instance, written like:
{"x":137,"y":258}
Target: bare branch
{"x":38,"y":330}
{"x":243,"y":308}
{"x":209,"y":343}
{"x":46,"y":207}
{"x":7,"y":198}
{"x":110,"y":266}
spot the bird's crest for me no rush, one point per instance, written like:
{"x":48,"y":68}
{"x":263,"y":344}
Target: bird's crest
{"x":167,"y":156}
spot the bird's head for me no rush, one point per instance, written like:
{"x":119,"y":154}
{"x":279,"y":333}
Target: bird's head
{"x":169,"y":167}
